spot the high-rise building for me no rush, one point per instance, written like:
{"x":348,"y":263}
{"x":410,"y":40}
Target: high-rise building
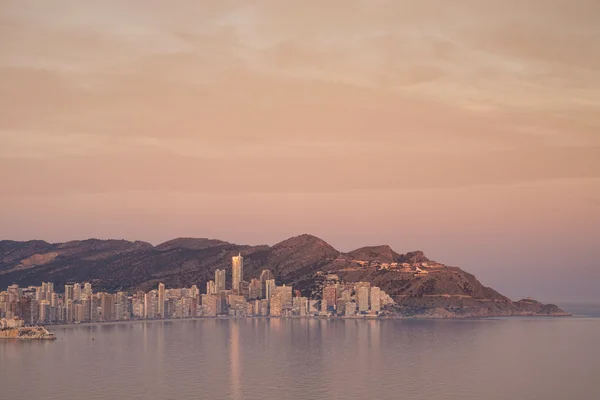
{"x":79,"y":312}
{"x":237,"y":272}
{"x":77,"y":291}
{"x":69,"y":292}
{"x":265,"y":275}
{"x":276,"y":305}
{"x":87,"y":289}
{"x":269,"y":288}
{"x":107,"y":304}
{"x":286,"y":295}
{"x":330,"y":296}
{"x":40,"y":294}
{"x":363,"y":299}
{"x":49,"y":289}
{"x":161,"y":300}
{"x":220,"y":280}
{"x":209,"y":305}
{"x":375,"y":299}
{"x":211,"y":287}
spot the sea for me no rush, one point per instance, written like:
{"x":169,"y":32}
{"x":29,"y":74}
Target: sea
{"x":481,"y":359}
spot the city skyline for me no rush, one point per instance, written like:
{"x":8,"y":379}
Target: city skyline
{"x":41,"y":305}
{"x":469,"y":134}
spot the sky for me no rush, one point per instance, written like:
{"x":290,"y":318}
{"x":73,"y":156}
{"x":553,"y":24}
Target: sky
{"x":471,"y":132}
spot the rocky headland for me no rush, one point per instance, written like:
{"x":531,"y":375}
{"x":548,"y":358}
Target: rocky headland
{"x":420,"y":287}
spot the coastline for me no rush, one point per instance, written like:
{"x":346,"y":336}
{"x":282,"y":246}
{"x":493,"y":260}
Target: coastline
{"x":318,"y":318}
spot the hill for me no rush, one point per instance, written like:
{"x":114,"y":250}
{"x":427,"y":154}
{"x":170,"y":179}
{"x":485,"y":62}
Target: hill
{"x":419,"y":286}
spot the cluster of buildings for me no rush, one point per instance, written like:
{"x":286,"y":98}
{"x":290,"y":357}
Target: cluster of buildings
{"x":257,"y":297}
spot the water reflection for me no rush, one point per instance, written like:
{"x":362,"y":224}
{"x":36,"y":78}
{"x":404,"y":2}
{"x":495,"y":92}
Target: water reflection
{"x":234,"y":359}
{"x":309,"y":359}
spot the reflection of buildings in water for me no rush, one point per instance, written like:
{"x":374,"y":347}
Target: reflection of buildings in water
{"x":275,"y":324}
{"x":374,"y":328}
{"x":160,"y":348}
{"x":234,"y":360}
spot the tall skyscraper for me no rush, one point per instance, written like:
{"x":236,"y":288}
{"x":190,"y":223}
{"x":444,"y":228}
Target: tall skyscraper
{"x":375,"y":299}
{"x":107,"y":305}
{"x":237,"y":272}
{"x":148,"y":305}
{"x":363,"y":299}
{"x":161,"y":300}
{"x":219,"y":280}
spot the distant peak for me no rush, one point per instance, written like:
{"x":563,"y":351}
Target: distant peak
{"x":306,"y":241}
{"x":413,"y":257}
{"x":381,"y":253}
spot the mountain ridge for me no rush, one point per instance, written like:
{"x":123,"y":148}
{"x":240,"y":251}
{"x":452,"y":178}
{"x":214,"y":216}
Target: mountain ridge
{"x":418,"y":285}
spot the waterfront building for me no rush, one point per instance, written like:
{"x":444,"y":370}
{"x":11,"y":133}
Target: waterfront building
{"x":276,"y":305}
{"x":209,"y":305}
{"x":161,"y":300}
{"x":79,"y":312}
{"x":324,"y":310}
{"x":330,"y":295}
{"x":300,"y":306}
{"x":340,"y":307}
{"x":350,"y":308}
{"x":375,"y":299}
{"x":286,"y":293}
{"x":363,"y":299}
{"x":107,"y":304}
{"x":148,"y":306}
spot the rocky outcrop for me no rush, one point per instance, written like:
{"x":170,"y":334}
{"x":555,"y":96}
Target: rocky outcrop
{"x":31,"y":333}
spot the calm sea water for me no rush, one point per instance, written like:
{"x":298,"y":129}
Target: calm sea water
{"x":518,"y":358}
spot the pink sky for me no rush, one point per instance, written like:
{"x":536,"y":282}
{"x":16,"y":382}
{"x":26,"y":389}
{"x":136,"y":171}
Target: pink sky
{"x":471,"y":132}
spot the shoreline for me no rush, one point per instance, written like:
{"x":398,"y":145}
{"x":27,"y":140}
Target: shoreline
{"x":361,"y":318}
